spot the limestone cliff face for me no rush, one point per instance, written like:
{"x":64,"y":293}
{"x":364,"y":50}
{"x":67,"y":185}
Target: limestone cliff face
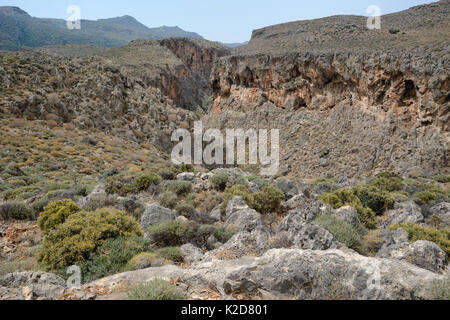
{"x":342,"y":113}
{"x":189,"y":85}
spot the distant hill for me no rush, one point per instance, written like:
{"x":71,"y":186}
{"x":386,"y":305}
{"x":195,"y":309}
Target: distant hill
{"x":234,"y":45}
{"x":18,"y":29}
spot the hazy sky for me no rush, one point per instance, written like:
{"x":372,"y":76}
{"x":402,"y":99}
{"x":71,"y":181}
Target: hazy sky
{"x":226,"y":20}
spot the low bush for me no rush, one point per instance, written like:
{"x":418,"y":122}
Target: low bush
{"x":55,"y":214}
{"x":121,"y":184}
{"x":237,"y":190}
{"x":185,"y":209}
{"x":167,"y":174}
{"x":81,"y":235}
{"x":177,"y":233}
{"x":168,"y":200}
{"x":342,"y":232}
{"x":387,"y":184}
{"x":220,"y":181}
{"x":144,"y":181}
{"x":261,"y":183}
{"x":346,"y":197}
{"x":27,"y":264}
{"x":177,"y":187}
{"x":171,"y":254}
{"x":133,"y":208}
{"x":374,"y":198}
{"x":441,"y":290}
{"x":146,"y":260}
{"x":416,"y":233}
{"x":15,"y":211}
{"x":206,"y":202}
{"x":112,"y":257}
{"x":268,"y":200}
{"x":99,"y":201}
{"x":156,"y":289}
{"x":442,"y":178}
{"x":223,"y":234}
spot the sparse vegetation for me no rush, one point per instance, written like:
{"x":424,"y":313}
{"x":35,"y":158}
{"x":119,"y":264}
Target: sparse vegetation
{"x":156,"y":289}
{"x":416,"y":233}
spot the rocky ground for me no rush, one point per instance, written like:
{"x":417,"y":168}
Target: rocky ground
{"x":284,"y":254}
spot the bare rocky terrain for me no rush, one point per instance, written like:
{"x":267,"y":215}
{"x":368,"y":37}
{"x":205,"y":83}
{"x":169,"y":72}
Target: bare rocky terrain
{"x":359,"y":210}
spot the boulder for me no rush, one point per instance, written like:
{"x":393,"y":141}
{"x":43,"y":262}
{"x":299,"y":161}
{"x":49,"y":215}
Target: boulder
{"x":29,"y":285}
{"x":349,"y":215}
{"x":424,"y":254}
{"x":191,"y":253}
{"x":298,"y":201}
{"x":290,"y":188}
{"x":242,"y":218}
{"x":154,"y":214}
{"x":442,"y":210}
{"x":405,"y":212}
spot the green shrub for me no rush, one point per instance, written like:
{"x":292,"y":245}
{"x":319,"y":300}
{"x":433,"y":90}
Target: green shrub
{"x":168,"y":233}
{"x":121,"y":184}
{"x":144,"y":181}
{"x":186,"y":168}
{"x":190,"y":199}
{"x":171,"y":254}
{"x":112,"y":257}
{"x":156,"y":289}
{"x":206,"y":202}
{"x":442,"y":178}
{"x":55,"y":214}
{"x":237,"y":190}
{"x":99,"y":201}
{"x":28,"y":264}
{"x":22,"y":193}
{"x":374,"y":198}
{"x":342,"y":232}
{"x":176,"y":233}
{"x":387,"y":175}
{"x":168,"y":200}
{"x":345,"y":197}
{"x":133,"y":208}
{"x":15,"y":211}
{"x":426,"y":197}
{"x":83,"y":234}
{"x":441,"y":290}
{"x":146,"y":260}
{"x":415,"y":232}
{"x":177,"y":187}
{"x":223,"y":234}
{"x":166,"y":174}
{"x":185,"y":209}
{"x":387,"y":184}
{"x":220,"y":181}
{"x":268,"y":200}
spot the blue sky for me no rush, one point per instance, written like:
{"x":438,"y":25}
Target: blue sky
{"x":219,"y":20}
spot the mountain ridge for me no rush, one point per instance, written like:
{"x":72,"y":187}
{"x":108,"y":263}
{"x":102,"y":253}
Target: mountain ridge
{"x":18,"y":29}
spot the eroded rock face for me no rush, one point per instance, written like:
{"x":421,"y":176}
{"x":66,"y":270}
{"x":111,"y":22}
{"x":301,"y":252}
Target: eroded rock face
{"x":291,"y":274}
{"x":341,"y":113}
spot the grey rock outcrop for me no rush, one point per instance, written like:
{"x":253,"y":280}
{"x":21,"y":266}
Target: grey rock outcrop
{"x":405,"y":212}
{"x":155,"y":214}
{"x":191,"y":253}
{"x":29,"y":285}
{"x":292,"y":274}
